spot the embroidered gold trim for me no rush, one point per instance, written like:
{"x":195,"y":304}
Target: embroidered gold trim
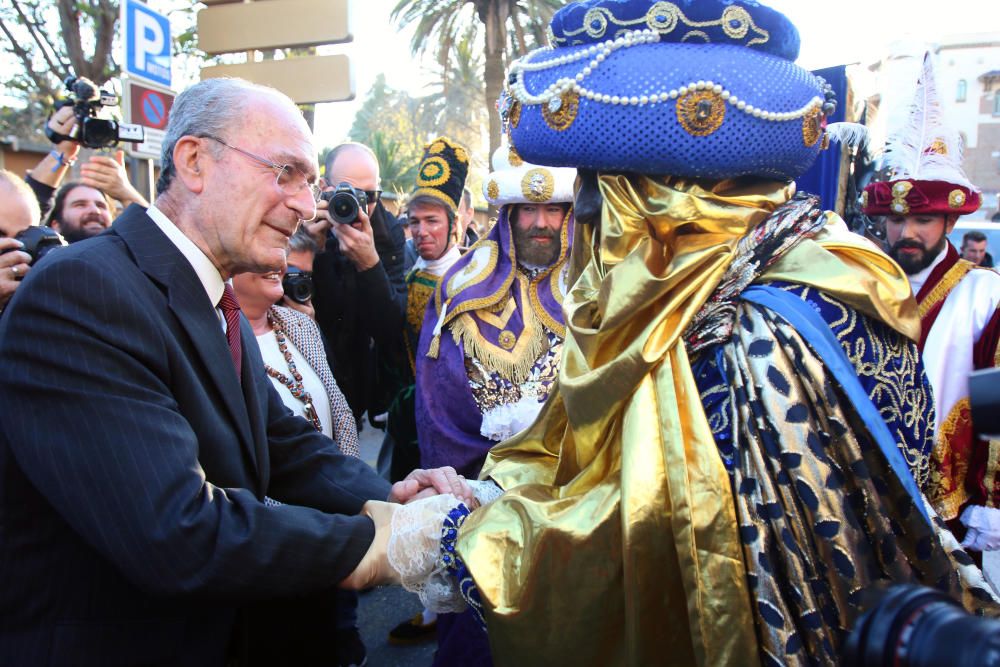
{"x":483,"y":274}
{"x":992,"y":470}
{"x":492,"y":190}
{"x":812,"y":128}
{"x":537,"y":185}
{"x":514,"y":364}
{"x":560,"y":112}
{"x":475,"y":304}
{"x":938,"y":146}
{"x":664,"y":17}
{"x":944,"y":287}
{"x":499,"y":321}
{"x":514,"y":157}
{"x":515,"y":114}
{"x":701,"y":112}
{"x":437,"y":194}
{"x":949,"y":504}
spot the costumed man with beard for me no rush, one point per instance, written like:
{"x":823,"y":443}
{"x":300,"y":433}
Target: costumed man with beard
{"x":725,"y":461}
{"x":491,"y":342}
{"x":959,"y":306}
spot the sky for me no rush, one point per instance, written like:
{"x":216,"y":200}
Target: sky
{"x":832,"y":33}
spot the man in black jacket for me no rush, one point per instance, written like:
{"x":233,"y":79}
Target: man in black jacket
{"x":360,"y":295}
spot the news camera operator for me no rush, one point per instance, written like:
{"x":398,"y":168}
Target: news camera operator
{"x":359,"y":288}
{"x":101,"y":174}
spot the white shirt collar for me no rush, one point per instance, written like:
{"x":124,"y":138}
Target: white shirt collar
{"x":439,"y":266}
{"x":209,"y":276}
{"x":917,"y":280}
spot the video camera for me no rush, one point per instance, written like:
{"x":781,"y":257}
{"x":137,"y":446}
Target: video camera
{"x":345,"y":202}
{"x":93,"y":132}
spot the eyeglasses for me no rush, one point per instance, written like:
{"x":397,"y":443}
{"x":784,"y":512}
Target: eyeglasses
{"x":373,"y":196}
{"x":289,"y":178}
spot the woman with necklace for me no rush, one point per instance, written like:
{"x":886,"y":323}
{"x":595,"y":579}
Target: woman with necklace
{"x":321,"y":628}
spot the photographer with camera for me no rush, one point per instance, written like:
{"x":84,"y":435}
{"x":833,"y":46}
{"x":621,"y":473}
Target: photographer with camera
{"x":18,"y":212}
{"x":73,"y":126}
{"x":297,"y":284}
{"x":358,"y":279}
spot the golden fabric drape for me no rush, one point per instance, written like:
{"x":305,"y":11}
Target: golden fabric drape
{"x":616,"y":542}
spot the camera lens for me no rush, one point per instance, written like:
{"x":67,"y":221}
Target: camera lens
{"x":99,"y":133}
{"x":298,"y":285}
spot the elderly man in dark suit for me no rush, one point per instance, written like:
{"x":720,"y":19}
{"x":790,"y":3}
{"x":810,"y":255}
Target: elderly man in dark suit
{"x":140,"y":434}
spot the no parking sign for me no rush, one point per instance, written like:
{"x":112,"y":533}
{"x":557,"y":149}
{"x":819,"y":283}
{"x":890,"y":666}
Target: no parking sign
{"x":148,"y":106}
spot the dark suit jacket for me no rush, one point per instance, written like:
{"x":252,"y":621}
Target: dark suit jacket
{"x":133,"y":466}
{"x":353,"y":307}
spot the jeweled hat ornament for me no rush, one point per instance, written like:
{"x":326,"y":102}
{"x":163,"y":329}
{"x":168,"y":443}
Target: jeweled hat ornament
{"x":442,"y":172}
{"x":514,"y":181}
{"x":924,"y":160}
{"x":695,"y":88}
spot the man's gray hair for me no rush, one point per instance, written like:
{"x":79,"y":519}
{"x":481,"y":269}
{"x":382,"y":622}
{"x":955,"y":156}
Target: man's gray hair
{"x":302,"y":241}
{"x":9,"y":179}
{"x":209,"y":107}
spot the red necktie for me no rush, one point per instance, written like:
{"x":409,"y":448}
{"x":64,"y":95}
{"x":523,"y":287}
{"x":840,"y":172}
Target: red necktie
{"x":231,"y":311}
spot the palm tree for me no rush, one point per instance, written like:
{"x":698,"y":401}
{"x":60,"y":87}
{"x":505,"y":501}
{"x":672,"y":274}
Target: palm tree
{"x":509,"y":29}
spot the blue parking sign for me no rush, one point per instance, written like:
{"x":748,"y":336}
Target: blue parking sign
{"x":147,"y":43}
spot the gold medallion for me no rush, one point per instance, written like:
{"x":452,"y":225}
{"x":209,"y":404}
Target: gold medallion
{"x":507,"y":339}
{"x":956,"y":198}
{"x":560,"y":112}
{"x":812,"y":127}
{"x":537,"y":185}
{"x":701,"y":112}
{"x":493,"y":190}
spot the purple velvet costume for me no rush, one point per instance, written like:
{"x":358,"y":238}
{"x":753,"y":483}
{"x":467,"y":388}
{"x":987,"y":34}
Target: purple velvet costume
{"x":472,"y":295}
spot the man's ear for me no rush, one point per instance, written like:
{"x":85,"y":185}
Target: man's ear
{"x":55,"y":226}
{"x":189,"y":161}
{"x":949,"y":222}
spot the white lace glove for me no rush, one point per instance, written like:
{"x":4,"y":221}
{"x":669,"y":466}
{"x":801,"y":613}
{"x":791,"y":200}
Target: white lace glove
{"x":415,"y":553}
{"x":983,"y":525}
{"x":485,"y":491}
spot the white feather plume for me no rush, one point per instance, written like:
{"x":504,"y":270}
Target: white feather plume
{"x":854,"y":135}
{"x":924,"y":148}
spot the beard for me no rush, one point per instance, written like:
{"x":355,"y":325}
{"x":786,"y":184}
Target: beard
{"x":914,"y":263}
{"x":80,"y":232}
{"x":531,"y":249}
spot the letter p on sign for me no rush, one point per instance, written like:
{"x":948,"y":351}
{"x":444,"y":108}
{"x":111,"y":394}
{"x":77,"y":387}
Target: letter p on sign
{"x":147,"y":43}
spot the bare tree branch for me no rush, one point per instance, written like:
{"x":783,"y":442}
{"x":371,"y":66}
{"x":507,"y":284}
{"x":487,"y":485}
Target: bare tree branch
{"x":57,"y":68}
{"x":24,"y":56}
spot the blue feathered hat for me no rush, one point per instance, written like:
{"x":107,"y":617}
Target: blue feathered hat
{"x":694,"y":88}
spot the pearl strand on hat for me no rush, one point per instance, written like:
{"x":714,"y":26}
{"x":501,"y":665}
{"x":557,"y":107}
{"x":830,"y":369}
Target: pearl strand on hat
{"x":552,"y":94}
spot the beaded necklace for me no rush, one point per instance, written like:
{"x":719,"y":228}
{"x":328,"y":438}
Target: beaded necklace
{"x":294,"y":384}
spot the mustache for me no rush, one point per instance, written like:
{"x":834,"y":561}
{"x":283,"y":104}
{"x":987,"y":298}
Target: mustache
{"x":542,"y":232}
{"x":908,"y":244}
{"x":92,"y":217}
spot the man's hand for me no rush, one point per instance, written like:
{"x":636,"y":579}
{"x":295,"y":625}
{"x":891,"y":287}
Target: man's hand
{"x":13,"y":267}
{"x":62,"y":122}
{"x":374,"y":569}
{"x":305,"y":308}
{"x":357,"y":241}
{"x":424,"y":483}
{"x":108,"y":175}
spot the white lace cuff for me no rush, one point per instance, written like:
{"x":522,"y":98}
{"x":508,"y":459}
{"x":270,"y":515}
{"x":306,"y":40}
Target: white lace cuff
{"x":486,"y":491}
{"x":414,"y":552}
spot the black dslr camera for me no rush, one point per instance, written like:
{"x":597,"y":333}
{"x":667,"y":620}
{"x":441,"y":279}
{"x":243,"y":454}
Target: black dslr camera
{"x":93,"y":132}
{"x":345,"y":202}
{"x":916,"y":626}
{"x":298,"y":285}
{"x":38,"y":242}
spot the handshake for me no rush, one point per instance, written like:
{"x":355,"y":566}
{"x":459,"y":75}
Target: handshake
{"x":413,"y":532}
